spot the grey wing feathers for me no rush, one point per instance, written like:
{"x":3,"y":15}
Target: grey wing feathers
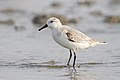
{"x":70,"y":38}
{"x":76,"y":36}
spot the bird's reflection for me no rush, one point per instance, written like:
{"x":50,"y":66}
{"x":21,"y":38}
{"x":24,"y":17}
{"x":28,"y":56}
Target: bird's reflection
{"x":72,"y":74}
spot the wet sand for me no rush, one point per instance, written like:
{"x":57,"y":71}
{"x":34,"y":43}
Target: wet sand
{"x":26,"y":54}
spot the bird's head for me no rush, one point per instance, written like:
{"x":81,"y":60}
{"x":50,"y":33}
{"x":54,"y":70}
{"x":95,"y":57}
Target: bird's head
{"x":52,"y":23}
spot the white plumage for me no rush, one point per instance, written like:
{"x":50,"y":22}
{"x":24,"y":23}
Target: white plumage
{"x":69,"y":38}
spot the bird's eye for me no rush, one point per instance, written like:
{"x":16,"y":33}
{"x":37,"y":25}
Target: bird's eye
{"x":51,"y":21}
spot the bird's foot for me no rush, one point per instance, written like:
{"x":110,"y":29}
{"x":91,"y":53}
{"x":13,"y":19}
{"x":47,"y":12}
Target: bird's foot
{"x":68,"y":65}
{"x":74,"y":70}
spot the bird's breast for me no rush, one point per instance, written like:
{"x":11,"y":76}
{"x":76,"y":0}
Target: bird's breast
{"x":60,"y":38}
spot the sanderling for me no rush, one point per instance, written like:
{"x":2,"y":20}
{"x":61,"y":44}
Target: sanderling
{"x":69,"y":38}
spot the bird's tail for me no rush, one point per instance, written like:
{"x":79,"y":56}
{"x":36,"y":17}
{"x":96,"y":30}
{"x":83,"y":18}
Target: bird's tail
{"x":96,"y":42}
{"x":101,"y":42}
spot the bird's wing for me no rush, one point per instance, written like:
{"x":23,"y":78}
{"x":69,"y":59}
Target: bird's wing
{"x":74,"y":35}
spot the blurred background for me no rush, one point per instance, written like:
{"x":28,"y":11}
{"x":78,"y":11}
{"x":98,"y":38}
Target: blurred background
{"x":26,"y":54}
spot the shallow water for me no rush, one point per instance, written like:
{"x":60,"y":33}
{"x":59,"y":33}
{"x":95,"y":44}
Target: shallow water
{"x":26,"y":54}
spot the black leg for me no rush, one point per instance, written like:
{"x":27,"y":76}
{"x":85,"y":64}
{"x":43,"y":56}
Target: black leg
{"x":74,"y":60}
{"x":69,"y":57}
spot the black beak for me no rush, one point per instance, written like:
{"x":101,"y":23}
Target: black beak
{"x":43,"y":27}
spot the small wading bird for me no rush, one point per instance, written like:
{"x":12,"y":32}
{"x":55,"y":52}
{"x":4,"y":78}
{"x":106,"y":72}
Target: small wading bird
{"x":69,"y":38}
